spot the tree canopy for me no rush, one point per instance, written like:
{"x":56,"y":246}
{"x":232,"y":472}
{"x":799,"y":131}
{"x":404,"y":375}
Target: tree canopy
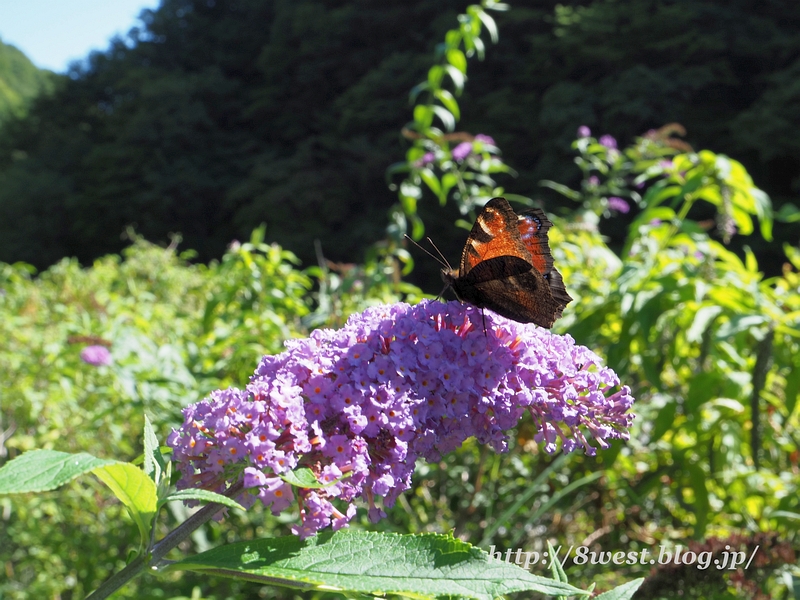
{"x":213,"y":117}
{"x":20,"y":82}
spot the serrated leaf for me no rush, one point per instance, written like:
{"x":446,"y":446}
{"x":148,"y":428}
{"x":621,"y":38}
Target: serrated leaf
{"x":135,"y":490}
{"x":419,"y":566}
{"x":204,"y":496}
{"x":45,"y":470}
{"x":622,"y":592}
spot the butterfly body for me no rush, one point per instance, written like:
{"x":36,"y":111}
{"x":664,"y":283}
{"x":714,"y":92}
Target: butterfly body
{"x":506,"y":266}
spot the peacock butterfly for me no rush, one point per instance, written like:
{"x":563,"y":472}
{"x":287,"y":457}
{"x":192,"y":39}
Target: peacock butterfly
{"x":506,"y":266}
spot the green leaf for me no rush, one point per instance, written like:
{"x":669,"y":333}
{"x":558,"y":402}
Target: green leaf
{"x":449,"y":102}
{"x":556,"y":569}
{"x":417,"y":227}
{"x":490,"y":25}
{"x":480,"y":49}
{"x":44,"y":470}
{"x":203,"y":496}
{"x":448,"y":181}
{"x":154,"y":463}
{"x":743,"y":220}
{"x":423,"y":116}
{"x":784,"y":514}
{"x":561,"y":189}
{"x":435,"y":74}
{"x":452,"y":38}
{"x":431,"y":181}
{"x":135,"y":490}
{"x":738,"y":324}
{"x":792,"y":390}
{"x":456,"y":58}
{"x":417,"y":90}
{"x":457,"y":76}
{"x":660,"y":192}
{"x":764,"y":212}
{"x":788,"y":213}
{"x":445,"y":116}
{"x":622,"y":592}
{"x":702,"y":319}
{"x":303,"y":478}
{"x":421,"y":566}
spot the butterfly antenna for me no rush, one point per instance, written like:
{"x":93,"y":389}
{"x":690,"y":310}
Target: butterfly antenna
{"x":439,"y":252}
{"x":442,"y":261}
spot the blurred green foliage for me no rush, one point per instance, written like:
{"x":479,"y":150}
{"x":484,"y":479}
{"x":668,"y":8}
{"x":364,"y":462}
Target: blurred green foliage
{"x":175,"y":332}
{"x":20,"y":82}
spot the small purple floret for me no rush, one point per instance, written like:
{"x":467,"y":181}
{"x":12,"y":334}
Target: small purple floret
{"x":618,"y":204}
{"x":608,"y":141}
{"x":462,"y":151}
{"x":425,"y":159}
{"x":97,"y":356}
{"x":359,"y":405}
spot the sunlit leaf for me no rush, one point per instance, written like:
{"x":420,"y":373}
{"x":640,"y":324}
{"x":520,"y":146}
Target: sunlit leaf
{"x":421,"y":566}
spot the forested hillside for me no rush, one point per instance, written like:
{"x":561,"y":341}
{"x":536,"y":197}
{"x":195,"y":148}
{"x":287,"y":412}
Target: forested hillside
{"x":214,"y":117}
{"x":20,"y":82}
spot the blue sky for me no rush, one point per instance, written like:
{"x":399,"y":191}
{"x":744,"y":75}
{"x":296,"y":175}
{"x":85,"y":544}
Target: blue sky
{"x":52,"y":33}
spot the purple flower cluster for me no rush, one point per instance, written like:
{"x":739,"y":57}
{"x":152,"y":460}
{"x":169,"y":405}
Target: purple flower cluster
{"x":618,"y":204}
{"x":359,"y":405}
{"x":608,"y":141}
{"x":425,"y":159}
{"x":462,"y":151}
{"x":97,"y":356}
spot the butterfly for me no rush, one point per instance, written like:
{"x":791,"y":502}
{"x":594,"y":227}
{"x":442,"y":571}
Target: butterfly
{"x":506,"y":266}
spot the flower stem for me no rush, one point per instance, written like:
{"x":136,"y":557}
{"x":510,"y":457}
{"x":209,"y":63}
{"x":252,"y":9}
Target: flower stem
{"x":160,"y":550}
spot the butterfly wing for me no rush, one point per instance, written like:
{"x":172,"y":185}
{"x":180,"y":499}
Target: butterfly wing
{"x":494,"y":234}
{"x":533,"y":226}
{"x":506,"y":266}
{"x":509,"y":286}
